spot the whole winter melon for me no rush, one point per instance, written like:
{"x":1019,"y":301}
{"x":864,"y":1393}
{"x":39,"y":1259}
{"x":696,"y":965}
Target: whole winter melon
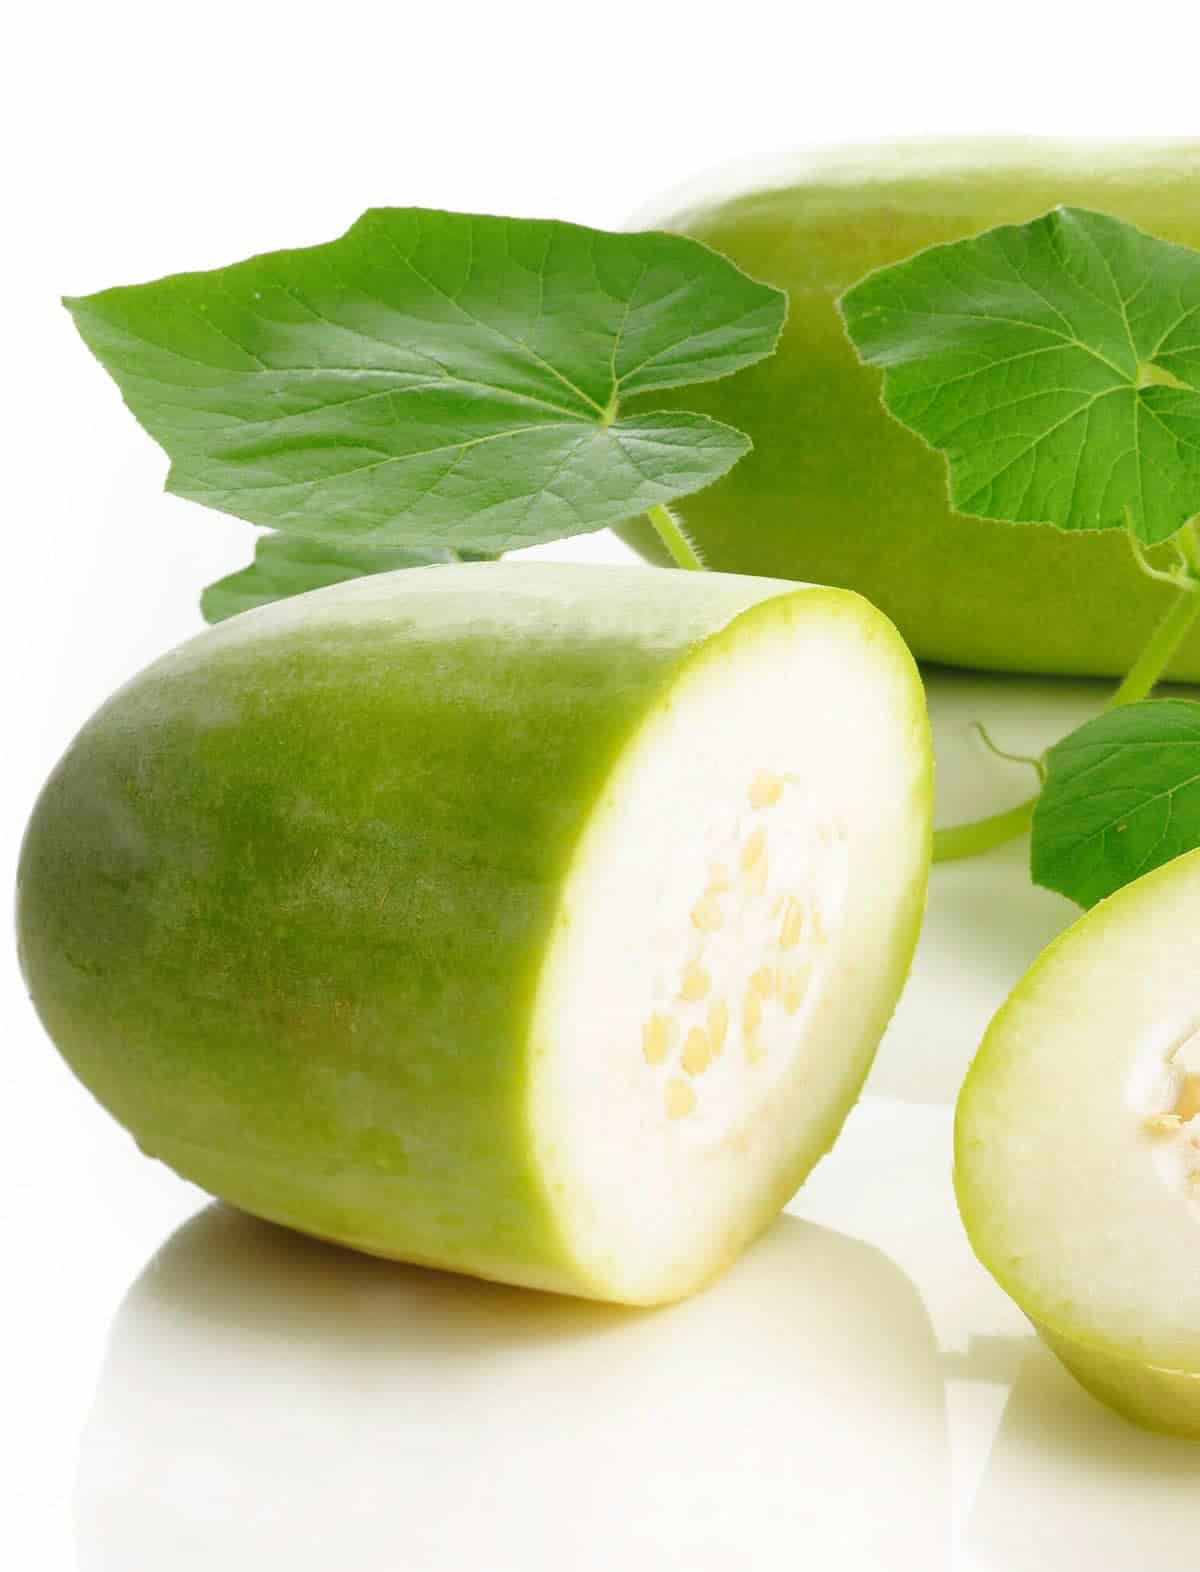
{"x":838,"y":492}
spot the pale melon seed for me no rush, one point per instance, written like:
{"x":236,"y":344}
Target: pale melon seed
{"x":695,"y":982}
{"x":763,"y":982}
{"x":753,"y":862}
{"x":697,"y":1051}
{"x":706,"y":913}
{"x":755,"y":1052}
{"x":751,"y":1011}
{"x":718,"y":1025}
{"x":1162,"y":1123}
{"x":718,"y":877}
{"x":753,"y":849}
{"x":765,"y":790}
{"x":792,"y":984}
{"x":793,"y":923}
{"x":655,"y":1039}
{"x":680,"y":1099}
{"x":1187,"y":1105}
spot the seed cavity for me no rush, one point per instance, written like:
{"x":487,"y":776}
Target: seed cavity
{"x":742,"y":963}
{"x":679,"y":1099}
{"x":697,"y":1051}
{"x":765,"y":790}
{"x":695,"y":982}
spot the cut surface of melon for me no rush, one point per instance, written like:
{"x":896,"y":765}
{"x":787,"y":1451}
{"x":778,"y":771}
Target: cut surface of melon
{"x":1077,"y":1161}
{"x":728,"y":947}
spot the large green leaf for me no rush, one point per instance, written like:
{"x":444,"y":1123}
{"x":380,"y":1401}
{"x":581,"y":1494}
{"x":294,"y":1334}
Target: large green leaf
{"x":437,"y":379}
{"x":1122,"y":796}
{"x":1055,"y":363}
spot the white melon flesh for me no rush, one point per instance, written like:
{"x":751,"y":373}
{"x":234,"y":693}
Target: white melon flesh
{"x":1077,"y":1160}
{"x":732,"y":938}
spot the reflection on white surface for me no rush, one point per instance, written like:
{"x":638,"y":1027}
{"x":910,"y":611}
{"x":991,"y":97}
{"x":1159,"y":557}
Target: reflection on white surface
{"x":1045,"y":1479}
{"x":985,"y":925}
{"x":986,"y":922}
{"x":855,"y":1384}
{"x":271,"y":1402}
{"x":268,"y":1401}
{"x":1070,"y":1484}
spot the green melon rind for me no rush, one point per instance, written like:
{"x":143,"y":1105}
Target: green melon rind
{"x":1156,"y":1396}
{"x":1166,"y":1400}
{"x":837,"y":491}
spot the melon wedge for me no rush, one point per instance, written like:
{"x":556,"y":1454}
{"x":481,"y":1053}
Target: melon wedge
{"x":1077,"y":1148}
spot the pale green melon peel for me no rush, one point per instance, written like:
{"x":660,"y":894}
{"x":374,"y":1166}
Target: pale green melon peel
{"x":1167,"y":1400}
{"x":837,"y":491}
{"x":289,"y":904}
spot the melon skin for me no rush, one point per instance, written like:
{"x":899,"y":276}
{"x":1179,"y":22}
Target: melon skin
{"x":1057,"y":1167}
{"x":1148,"y":1395}
{"x":837,"y":491}
{"x":286,"y":903}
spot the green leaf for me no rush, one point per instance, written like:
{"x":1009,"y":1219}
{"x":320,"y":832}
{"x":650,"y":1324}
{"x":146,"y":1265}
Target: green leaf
{"x":1122,"y":796}
{"x":286,"y":565}
{"x":437,"y":379}
{"x":1057,"y":366}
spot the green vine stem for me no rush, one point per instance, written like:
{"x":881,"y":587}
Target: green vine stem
{"x":1156,"y":657}
{"x":980,"y":835}
{"x":670,"y":532}
{"x":1188,"y":546}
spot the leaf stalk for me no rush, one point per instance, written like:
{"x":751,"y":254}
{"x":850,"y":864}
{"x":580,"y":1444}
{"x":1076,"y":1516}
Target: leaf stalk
{"x":669,"y":530}
{"x":980,"y":835}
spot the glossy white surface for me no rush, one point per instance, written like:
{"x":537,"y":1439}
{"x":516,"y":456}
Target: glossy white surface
{"x":856,"y":1390}
{"x":267,"y":1402}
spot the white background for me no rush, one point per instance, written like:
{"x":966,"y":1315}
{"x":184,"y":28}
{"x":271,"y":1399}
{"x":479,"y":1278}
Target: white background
{"x":141,"y":140}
